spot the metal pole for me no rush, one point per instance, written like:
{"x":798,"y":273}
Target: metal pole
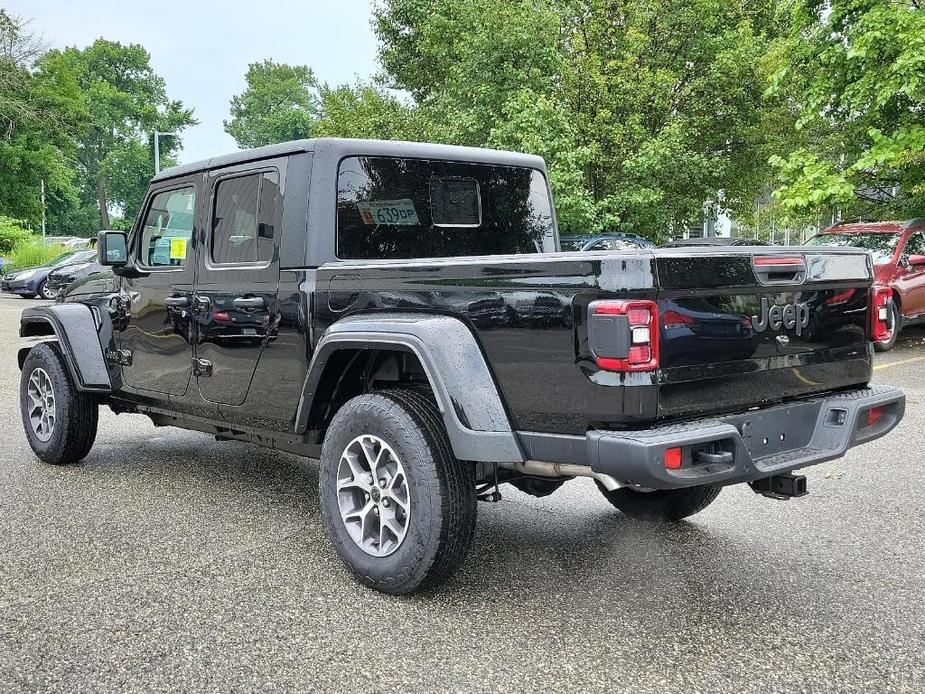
{"x":157,"y":153}
{"x":43,"y":210}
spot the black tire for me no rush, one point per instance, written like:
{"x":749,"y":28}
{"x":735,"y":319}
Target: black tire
{"x":441,"y":499}
{"x":535,"y":486}
{"x":662,"y":504}
{"x":44,"y":292}
{"x":76,"y":414}
{"x":887,"y":345}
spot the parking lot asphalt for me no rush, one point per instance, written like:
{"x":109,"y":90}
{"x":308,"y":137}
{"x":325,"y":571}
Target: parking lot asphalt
{"x":168,"y":561}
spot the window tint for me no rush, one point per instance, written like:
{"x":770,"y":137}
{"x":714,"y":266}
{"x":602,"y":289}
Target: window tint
{"x":243,"y":219}
{"x":412,"y":208}
{"x":167,"y":228}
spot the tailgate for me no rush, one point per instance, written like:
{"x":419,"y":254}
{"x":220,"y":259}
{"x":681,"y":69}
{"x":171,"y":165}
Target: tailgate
{"x":750,"y":326}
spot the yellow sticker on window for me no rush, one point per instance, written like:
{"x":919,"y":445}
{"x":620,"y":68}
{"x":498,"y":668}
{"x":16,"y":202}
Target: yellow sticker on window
{"x":178,"y":248}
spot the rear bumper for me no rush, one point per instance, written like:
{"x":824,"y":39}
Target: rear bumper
{"x":735,"y":448}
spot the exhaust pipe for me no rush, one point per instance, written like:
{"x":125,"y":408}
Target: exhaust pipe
{"x":540,"y":469}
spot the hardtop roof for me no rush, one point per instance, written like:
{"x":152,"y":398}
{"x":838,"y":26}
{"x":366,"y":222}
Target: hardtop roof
{"x":343,"y":147}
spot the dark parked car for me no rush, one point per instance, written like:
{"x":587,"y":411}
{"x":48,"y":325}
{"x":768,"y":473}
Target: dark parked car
{"x":604,"y":242}
{"x":402,"y":312}
{"x":33,"y":281}
{"x":60,"y":278}
{"x":714,"y":241}
{"x":898,"y":252}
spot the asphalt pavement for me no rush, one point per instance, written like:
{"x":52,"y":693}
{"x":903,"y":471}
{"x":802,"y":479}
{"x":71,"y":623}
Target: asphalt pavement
{"x":168,"y":561}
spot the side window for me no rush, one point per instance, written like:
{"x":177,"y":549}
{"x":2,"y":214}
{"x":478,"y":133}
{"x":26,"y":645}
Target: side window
{"x":167,"y":229}
{"x":915,"y":245}
{"x":243,"y":219}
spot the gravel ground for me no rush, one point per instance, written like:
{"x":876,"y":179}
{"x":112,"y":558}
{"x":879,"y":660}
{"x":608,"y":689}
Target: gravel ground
{"x":168,"y":561}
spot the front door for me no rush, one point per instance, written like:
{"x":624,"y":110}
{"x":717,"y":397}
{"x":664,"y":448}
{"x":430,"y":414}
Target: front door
{"x":157,"y":339}
{"x":911,"y":278}
{"x":237,"y":283}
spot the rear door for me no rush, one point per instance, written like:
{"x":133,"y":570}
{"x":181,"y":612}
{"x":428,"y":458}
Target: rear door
{"x":744,"y":328}
{"x":238,"y":278}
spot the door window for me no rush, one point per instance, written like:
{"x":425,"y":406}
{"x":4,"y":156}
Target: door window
{"x":243,"y":219}
{"x":915,"y":245}
{"x":168,"y":228}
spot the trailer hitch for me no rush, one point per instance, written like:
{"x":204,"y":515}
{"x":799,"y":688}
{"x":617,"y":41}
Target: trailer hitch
{"x":780,"y":487}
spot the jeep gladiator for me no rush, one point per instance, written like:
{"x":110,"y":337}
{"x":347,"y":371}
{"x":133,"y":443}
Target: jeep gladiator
{"x":402,"y":312}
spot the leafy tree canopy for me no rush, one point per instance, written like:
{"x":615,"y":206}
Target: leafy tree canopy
{"x":853,"y":74}
{"x":127,"y":101}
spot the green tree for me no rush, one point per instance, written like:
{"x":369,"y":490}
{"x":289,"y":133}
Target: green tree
{"x":126,"y":101}
{"x":644,"y":109}
{"x":853,"y":74}
{"x":280,"y":103}
{"x":40,"y":114}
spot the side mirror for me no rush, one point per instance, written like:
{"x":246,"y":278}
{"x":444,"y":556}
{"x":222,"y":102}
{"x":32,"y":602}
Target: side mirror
{"x":916,"y":260}
{"x":112,"y":248}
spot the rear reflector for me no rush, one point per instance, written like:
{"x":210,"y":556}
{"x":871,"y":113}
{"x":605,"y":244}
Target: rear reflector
{"x":672,"y":458}
{"x":881,"y":314}
{"x":873,"y":415}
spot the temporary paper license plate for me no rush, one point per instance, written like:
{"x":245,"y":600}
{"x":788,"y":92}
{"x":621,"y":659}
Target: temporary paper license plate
{"x":388,"y":212}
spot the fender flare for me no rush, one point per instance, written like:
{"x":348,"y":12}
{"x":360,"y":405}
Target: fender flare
{"x":466,"y":394}
{"x":75,"y":328}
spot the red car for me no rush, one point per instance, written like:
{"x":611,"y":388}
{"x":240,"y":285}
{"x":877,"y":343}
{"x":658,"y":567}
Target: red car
{"x":898,"y":250}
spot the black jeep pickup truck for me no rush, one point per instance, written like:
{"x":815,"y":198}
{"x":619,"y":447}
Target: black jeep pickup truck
{"x":402,"y":312}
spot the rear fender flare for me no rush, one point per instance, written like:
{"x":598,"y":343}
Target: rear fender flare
{"x":476,"y":421}
{"x":75,"y":328}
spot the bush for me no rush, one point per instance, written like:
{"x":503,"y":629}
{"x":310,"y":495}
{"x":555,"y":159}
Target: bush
{"x":12,"y":233}
{"x":31,"y":253}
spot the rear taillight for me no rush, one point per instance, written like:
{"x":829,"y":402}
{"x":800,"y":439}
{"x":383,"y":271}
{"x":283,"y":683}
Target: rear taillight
{"x":881,"y":314}
{"x":638,"y":347}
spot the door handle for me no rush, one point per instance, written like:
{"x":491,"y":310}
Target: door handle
{"x":249,"y":302}
{"x":177,"y":301}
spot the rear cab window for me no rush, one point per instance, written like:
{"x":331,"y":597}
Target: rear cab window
{"x":394,"y":208}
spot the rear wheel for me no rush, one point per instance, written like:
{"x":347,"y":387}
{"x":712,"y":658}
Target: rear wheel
{"x":661,"y":504}
{"x":398,"y":507}
{"x":60,"y":421}
{"x":887,"y":345}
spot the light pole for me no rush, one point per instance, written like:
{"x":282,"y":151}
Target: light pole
{"x":157,"y":149}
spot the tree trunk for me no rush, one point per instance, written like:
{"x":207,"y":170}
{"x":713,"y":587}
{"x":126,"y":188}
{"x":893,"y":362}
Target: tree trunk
{"x":101,"y":199}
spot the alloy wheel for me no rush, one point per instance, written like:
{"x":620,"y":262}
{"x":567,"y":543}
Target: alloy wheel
{"x":42,"y":412}
{"x":373,"y":495}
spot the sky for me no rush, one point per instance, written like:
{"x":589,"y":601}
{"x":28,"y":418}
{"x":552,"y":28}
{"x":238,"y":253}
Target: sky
{"x":202,"y":49}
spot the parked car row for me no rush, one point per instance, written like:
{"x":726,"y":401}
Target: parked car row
{"x":46,"y":281}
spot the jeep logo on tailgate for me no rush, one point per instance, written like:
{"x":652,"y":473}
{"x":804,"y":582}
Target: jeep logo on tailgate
{"x":786,"y":317}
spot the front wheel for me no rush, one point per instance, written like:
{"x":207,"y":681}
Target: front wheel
{"x":60,"y":421}
{"x":46,"y":292}
{"x":661,"y":504}
{"x":398,"y":507}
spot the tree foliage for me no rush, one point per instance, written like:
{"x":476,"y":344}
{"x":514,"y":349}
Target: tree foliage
{"x":280,"y":103}
{"x":853,"y":74}
{"x":40,"y":114}
{"x":127,"y":101}
{"x":644,"y":109}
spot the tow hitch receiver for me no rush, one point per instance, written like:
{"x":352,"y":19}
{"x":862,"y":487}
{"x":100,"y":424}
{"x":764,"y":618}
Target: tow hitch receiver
{"x":780,"y":486}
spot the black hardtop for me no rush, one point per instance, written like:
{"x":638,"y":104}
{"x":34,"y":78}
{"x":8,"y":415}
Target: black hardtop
{"x":335,"y":149}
